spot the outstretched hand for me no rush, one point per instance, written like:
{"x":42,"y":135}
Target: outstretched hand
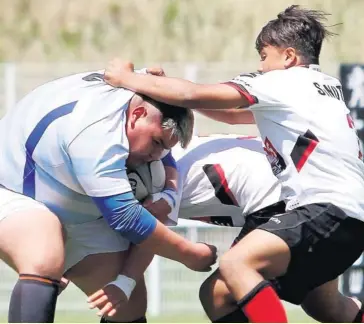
{"x":108,"y":300}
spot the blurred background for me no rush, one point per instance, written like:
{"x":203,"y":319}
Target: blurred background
{"x":200,"y":40}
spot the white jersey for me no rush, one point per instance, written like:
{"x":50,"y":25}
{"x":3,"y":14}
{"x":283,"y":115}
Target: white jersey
{"x":309,"y":136}
{"x":224,"y":178}
{"x":66,"y":142}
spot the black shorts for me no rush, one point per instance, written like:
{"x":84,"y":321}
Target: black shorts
{"x":253,"y":220}
{"x":323,"y":241}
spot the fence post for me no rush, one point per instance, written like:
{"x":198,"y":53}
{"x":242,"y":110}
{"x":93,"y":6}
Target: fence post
{"x":9,"y":85}
{"x":191,"y":71}
{"x":192,"y":233}
{"x":154,"y":287}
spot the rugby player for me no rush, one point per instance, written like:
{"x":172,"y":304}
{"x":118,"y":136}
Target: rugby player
{"x":63,"y":185}
{"x":223,"y":180}
{"x":311,"y":143}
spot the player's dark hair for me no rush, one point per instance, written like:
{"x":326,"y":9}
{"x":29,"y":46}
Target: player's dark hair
{"x":179,"y":119}
{"x":301,"y":29}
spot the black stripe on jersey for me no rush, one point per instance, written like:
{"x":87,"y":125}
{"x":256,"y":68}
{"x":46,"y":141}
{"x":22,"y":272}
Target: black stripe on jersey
{"x":303,"y":148}
{"x":93,"y":77}
{"x":251,"y":74}
{"x":218,"y":180}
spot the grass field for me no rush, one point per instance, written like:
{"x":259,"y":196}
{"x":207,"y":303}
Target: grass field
{"x":295,"y":316}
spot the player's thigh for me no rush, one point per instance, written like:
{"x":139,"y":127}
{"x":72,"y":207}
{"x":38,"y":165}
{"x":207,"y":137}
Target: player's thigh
{"x":326,"y":304}
{"x":324,"y":244}
{"x":260,"y":250}
{"x":31,"y":238}
{"x":96,"y":270}
{"x":215,"y":297}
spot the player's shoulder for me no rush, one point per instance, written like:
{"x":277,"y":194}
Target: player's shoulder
{"x":259,"y":78}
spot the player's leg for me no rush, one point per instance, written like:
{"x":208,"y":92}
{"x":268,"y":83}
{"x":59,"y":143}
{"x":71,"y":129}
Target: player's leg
{"x":95,"y":255}
{"x":327,"y":304}
{"x":97,"y":270}
{"x":31,"y":242}
{"x":330,"y":243}
{"x":219,"y":305}
{"x":313,"y":244}
{"x":245,"y":269}
{"x":216,"y":299}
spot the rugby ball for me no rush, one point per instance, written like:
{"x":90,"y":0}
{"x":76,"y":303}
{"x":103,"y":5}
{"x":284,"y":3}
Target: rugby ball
{"x":147,"y":179}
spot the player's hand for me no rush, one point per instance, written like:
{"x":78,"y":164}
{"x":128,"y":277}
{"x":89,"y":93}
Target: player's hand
{"x":160,"y":209}
{"x":108,"y":300}
{"x":156,"y":70}
{"x":204,"y":256}
{"x":116,"y":70}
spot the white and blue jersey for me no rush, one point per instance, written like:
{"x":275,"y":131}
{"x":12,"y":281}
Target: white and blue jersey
{"x":65,"y":145}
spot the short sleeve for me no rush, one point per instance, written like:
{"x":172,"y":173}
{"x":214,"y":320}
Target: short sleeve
{"x":259,"y":89}
{"x":98,"y":157}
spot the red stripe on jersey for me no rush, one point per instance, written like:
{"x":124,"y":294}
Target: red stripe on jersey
{"x":306,"y":155}
{"x":303,"y":148}
{"x":350,"y":121}
{"x":217,"y":178}
{"x":251,"y":99}
{"x":224,"y":183}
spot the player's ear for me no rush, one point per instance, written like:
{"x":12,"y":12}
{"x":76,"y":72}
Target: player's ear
{"x":138,"y":113}
{"x":290,"y":57}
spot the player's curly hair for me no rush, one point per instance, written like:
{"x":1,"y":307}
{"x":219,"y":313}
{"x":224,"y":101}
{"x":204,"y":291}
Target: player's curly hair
{"x":301,"y":29}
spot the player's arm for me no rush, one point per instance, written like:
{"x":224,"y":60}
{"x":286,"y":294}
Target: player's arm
{"x":118,"y":292}
{"x":176,"y":91}
{"x":163,"y":204}
{"x":229,"y":116}
{"x":98,"y":163}
{"x":170,"y":167}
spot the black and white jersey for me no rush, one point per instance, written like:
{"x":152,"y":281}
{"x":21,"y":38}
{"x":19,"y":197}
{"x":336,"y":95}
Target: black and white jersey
{"x":309,"y":136}
{"x":224,"y":178}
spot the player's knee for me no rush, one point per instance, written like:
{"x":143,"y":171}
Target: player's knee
{"x":214,"y":292}
{"x":48,"y":262}
{"x":44,"y":265}
{"x":230,"y":263}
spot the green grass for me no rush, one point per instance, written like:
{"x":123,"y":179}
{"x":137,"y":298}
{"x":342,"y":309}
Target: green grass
{"x":294,"y":316}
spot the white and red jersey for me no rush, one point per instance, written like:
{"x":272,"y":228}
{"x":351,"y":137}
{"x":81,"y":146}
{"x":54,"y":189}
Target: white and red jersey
{"x":309,"y":136}
{"x":224,"y":178}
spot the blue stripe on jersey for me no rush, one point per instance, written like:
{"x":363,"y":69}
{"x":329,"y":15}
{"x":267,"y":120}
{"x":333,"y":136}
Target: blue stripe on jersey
{"x":169,"y":160}
{"x":32,"y":142}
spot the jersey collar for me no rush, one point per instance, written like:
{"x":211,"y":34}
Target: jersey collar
{"x":314,"y":67}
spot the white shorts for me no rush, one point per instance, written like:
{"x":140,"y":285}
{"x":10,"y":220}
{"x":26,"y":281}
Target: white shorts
{"x":91,"y":238}
{"x":81,"y":239}
{"x":12,"y":202}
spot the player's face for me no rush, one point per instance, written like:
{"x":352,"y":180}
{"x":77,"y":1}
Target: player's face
{"x":147,"y":138}
{"x":275,"y":58}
